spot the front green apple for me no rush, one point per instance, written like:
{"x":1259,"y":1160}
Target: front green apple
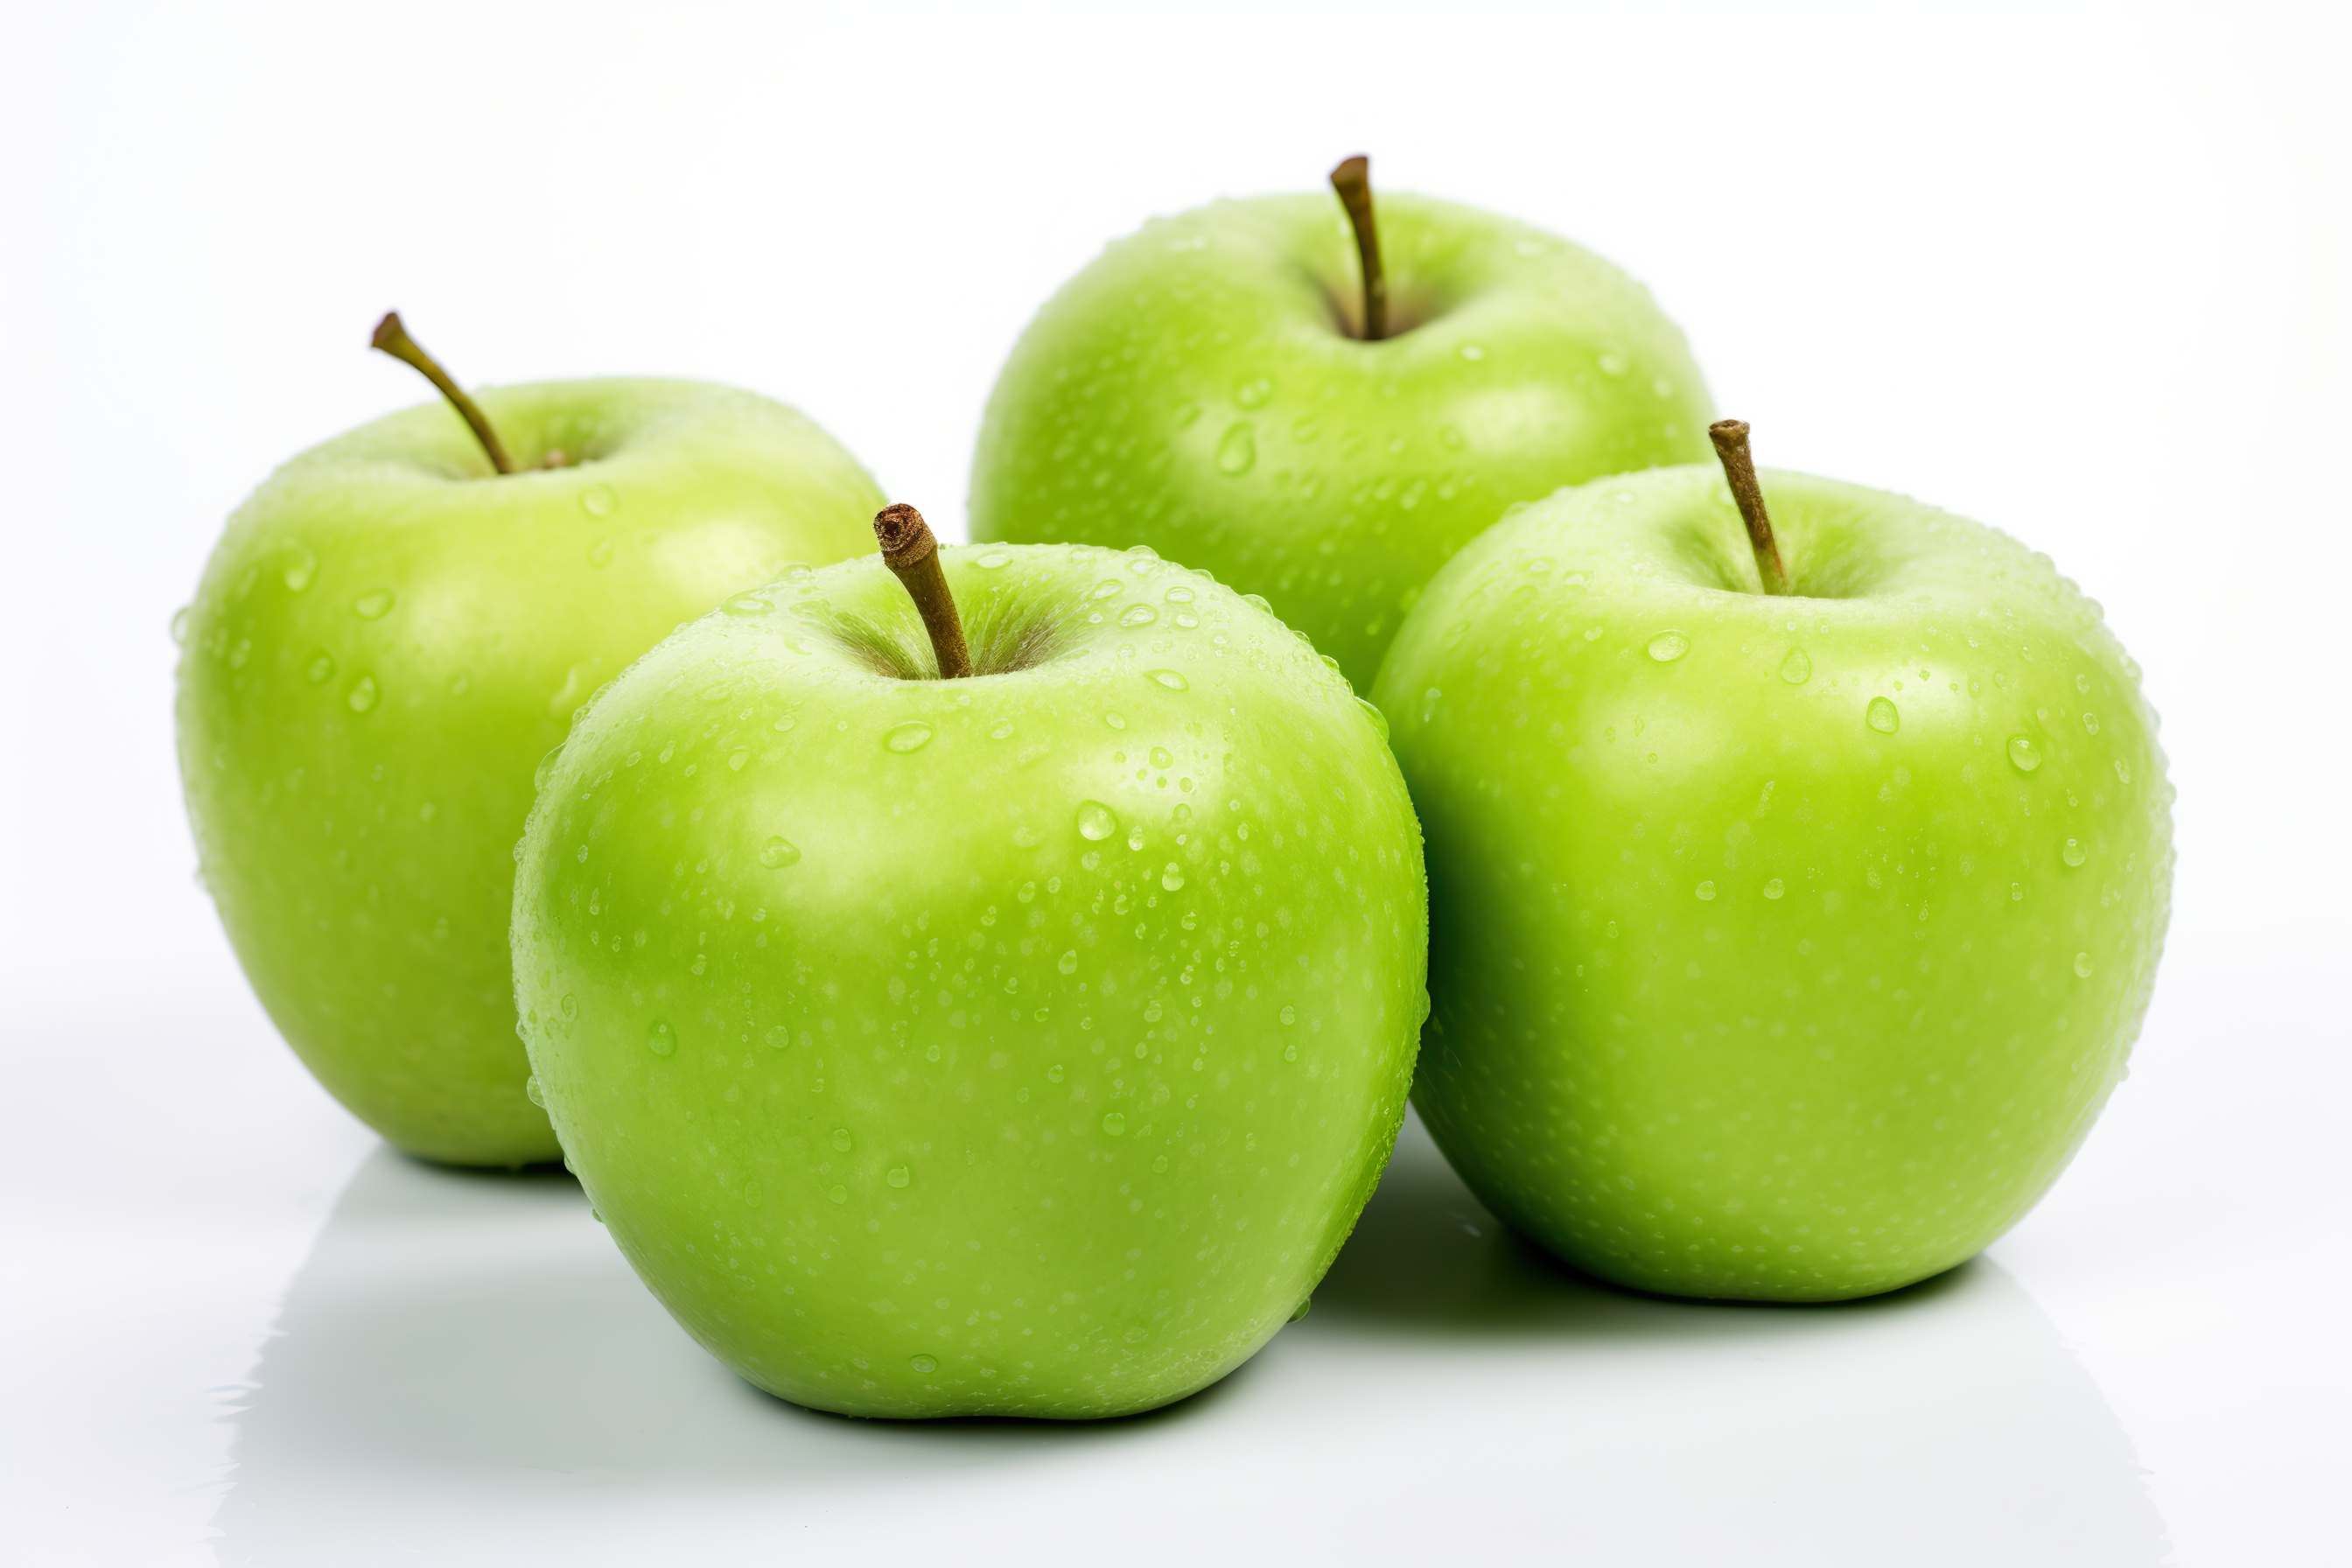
{"x":387,"y":641}
{"x":1025,"y":1044}
{"x":1200,"y":388}
{"x":1781,"y":947}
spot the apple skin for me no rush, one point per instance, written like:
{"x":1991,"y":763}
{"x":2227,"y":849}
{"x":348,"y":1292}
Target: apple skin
{"x":1195,"y":389}
{"x":1036,"y":1070}
{"x":1754,"y":942}
{"x":388,"y":640}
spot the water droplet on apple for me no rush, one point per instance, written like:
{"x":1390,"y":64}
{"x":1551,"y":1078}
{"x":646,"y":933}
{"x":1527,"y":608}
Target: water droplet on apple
{"x":531,"y":1091}
{"x":911,"y":736}
{"x":2074,"y":854}
{"x":736,"y":757}
{"x":1114,"y":720}
{"x":1379,"y":719}
{"x":1707,"y":891}
{"x":1668,"y":646}
{"x":1290,"y":1052}
{"x":2090,"y":722}
{"x":1108,"y":588}
{"x":1159,"y":1161}
{"x":2023,"y":754}
{"x":839,"y":1194}
{"x":1259,"y":600}
{"x":1252,"y":394}
{"x":660,"y":1040}
{"x":1290,"y":1014}
{"x":1473,"y":352}
{"x":1172,"y":878}
{"x":1797,"y":669}
{"x":373,"y":606}
{"x":922,"y":1362}
{"x":546,"y":769}
{"x":1881,"y":716}
{"x":2082,"y":684}
{"x":1178,"y":595}
{"x":896,"y":1176}
{"x":1114,"y":1124}
{"x":1135,"y":836}
{"x":2083,"y":965}
{"x":1069,"y":964}
{"x":597,"y":500}
{"x":180,"y":623}
{"x":1169,"y":679}
{"x":746,"y":605}
{"x":777,"y":853}
{"x":1775,"y":888}
{"x":2017,"y":892}
{"x":600,"y":552}
{"x":363,"y":694}
{"x":841,"y":1139}
{"x":300,"y":569}
{"x":1138,"y":615}
{"x":1237,"y":449}
{"x":1611,"y":362}
{"x":1053,"y":1073}
{"x":569,"y":1007}
{"x":1097,"y":821}
{"x":1162,"y":757}
{"x":321,"y":666}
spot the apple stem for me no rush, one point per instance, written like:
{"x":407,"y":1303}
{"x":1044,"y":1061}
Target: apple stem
{"x":913,"y":556}
{"x":1730,"y":439}
{"x":392,"y":338}
{"x":1353,"y":180}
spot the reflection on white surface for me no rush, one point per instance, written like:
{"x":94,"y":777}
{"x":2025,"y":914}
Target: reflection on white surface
{"x":467,"y":1371}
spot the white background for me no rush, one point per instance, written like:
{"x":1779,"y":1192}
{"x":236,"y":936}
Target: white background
{"x":2078,"y":273}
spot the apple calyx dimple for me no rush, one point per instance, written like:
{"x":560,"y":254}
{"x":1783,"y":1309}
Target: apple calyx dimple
{"x":391,"y":337}
{"x":912,"y":554}
{"x":1730,"y":439}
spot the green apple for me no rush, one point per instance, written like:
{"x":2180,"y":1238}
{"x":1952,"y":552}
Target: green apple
{"x":1783,"y":946}
{"x":1025,"y":1044}
{"x":389,"y":639}
{"x":1204,"y":387}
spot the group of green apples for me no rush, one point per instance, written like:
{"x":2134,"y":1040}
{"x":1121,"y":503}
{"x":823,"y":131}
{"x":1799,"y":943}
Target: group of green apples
{"x":989,"y":979}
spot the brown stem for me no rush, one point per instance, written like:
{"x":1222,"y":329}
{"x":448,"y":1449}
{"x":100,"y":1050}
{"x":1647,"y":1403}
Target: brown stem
{"x":1353,"y":180}
{"x":393,"y":339}
{"x":913,"y":556}
{"x":1730,"y":439}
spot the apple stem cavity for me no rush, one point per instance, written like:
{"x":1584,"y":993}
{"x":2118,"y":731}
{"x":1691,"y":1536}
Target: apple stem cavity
{"x":913,"y":556}
{"x":1730,"y":439}
{"x":392,"y":338}
{"x":1353,"y":180}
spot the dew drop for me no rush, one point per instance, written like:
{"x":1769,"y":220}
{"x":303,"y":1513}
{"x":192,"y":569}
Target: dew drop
{"x":2017,"y":892}
{"x":2082,"y":684}
{"x":1159,"y":1161}
{"x":2090,"y":722}
{"x":1612,"y":363}
{"x":2083,"y":965}
{"x":1138,"y":615}
{"x":363,"y":694}
{"x":1069,"y":964}
{"x":896,"y":1176}
{"x":660,"y":1039}
{"x":777,"y":853}
{"x":321,"y":666}
{"x":1135,"y":836}
{"x":994,"y":560}
{"x":2023,"y":754}
{"x":1707,"y":891}
{"x":1237,"y":449}
{"x":1252,"y":394}
{"x":1775,"y":888}
{"x":1290,"y":1014}
{"x":373,"y":606}
{"x":923,"y":1363}
{"x":911,"y":736}
{"x":597,"y":500}
{"x":531,"y":1091}
{"x":569,"y":1007}
{"x":304,"y":566}
{"x":2074,"y":854}
{"x":1097,"y":821}
{"x":1114,"y":1124}
{"x":1053,"y":1073}
{"x":1379,"y":719}
{"x":1114,"y":720}
{"x":839,"y":1194}
{"x":600,"y":552}
{"x":1169,"y":679}
{"x":1178,"y":595}
{"x":1473,"y":352}
{"x":1881,"y":716}
{"x":1172,"y":878}
{"x":180,"y":623}
{"x":1001,"y":730}
{"x":746,"y":605}
{"x":1668,"y":646}
{"x":736,"y":757}
{"x":841,"y":1139}
{"x":1797,"y":669}
{"x":1290,"y":1052}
